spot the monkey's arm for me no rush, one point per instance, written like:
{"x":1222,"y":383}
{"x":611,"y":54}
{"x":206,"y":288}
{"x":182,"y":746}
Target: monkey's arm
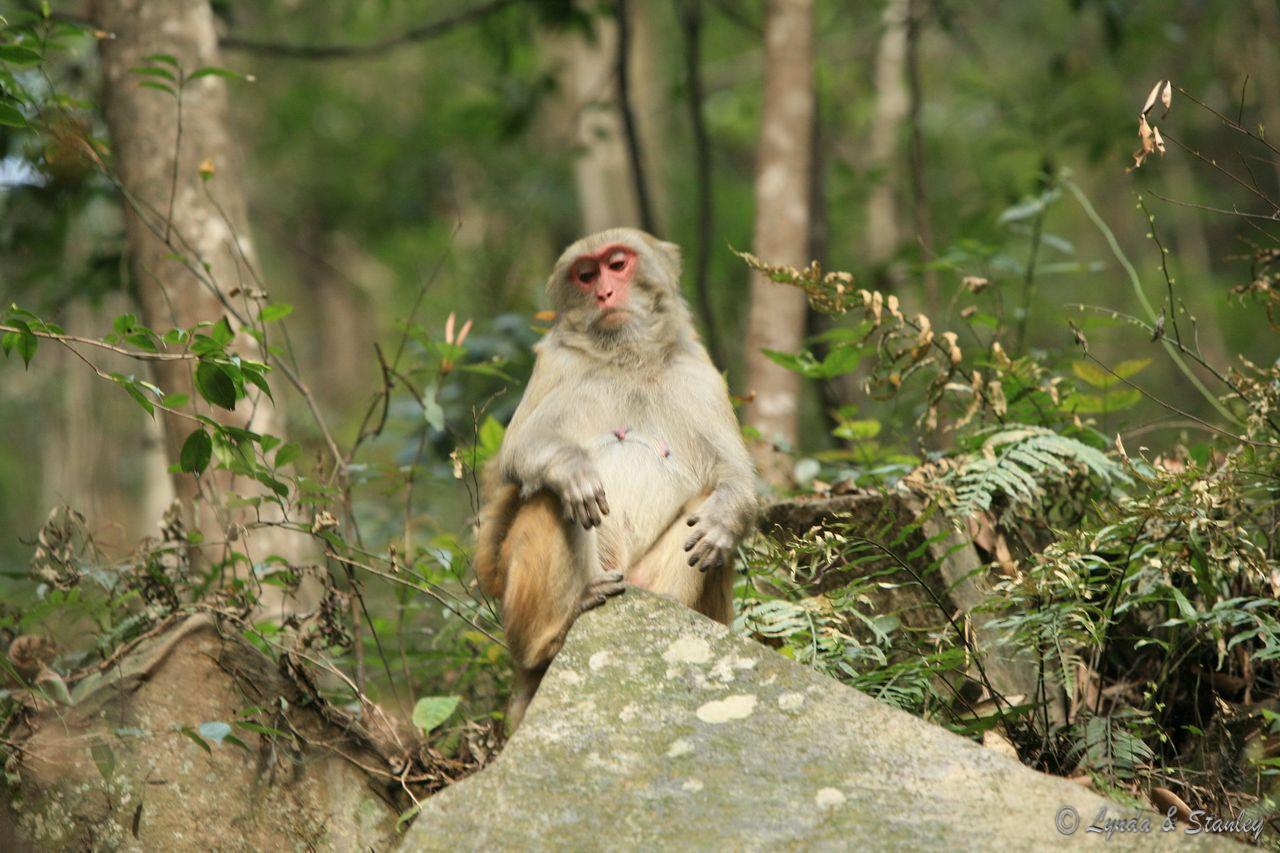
{"x":730,"y":511}
{"x":537,"y":454}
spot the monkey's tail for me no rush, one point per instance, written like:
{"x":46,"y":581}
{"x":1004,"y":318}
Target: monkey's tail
{"x":502,"y":500}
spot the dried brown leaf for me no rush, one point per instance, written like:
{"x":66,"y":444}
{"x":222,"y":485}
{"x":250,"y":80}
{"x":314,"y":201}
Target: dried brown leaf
{"x":1153,"y":97}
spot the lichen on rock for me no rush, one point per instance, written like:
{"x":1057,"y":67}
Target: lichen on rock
{"x":756,"y":754}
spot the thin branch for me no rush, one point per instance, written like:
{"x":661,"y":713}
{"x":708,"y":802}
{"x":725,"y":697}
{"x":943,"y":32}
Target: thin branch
{"x":1136,"y":283}
{"x":1164,"y":269}
{"x":140,"y":355}
{"x":440,"y":599}
{"x":1029,"y":276}
{"x":1153,"y":398}
{"x":1236,"y":126}
{"x":1213,"y":164}
{"x":421,"y":33}
{"x":1266,"y":217}
{"x":629,"y":131}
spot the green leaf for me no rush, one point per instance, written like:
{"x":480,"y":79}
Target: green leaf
{"x":197,"y":450}
{"x":176,"y":401}
{"x":166,"y":58}
{"x":1092,"y":374}
{"x":143,"y":341}
{"x":131,"y":386}
{"x":287,"y":453}
{"x":841,"y":360}
{"x":272,"y":483}
{"x":488,"y":439}
{"x":26,"y":343}
{"x":258,"y":728}
{"x":790,"y":361}
{"x":18,"y":55}
{"x":1184,"y":606}
{"x":431,"y":711}
{"x":1115,"y":400}
{"x":152,"y":71}
{"x":857,"y":430}
{"x":11,"y":116}
{"x":104,"y":758}
{"x":199,"y":741}
{"x":221,"y":332}
{"x":215,"y":385}
{"x":160,"y":87}
{"x":1131,"y":367}
{"x":275,"y":311}
{"x":218,"y":72}
{"x":261,"y":381}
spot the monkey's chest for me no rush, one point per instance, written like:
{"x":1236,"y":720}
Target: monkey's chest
{"x":646,"y":482}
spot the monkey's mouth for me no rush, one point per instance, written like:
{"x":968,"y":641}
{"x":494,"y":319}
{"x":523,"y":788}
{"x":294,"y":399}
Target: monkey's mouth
{"x":613,"y":318}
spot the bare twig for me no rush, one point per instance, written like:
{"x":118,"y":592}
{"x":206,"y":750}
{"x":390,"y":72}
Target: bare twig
{"x":1234,"y":125}
{"x":1266,"y":217}
{"x":1213,"y":164}
{"x":1153,"y":398}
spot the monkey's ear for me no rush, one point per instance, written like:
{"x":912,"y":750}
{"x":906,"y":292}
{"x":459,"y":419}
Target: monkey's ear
{"x":670,"y":253}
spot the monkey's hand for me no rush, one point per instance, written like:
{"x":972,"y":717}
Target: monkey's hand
{"x":577,"y":482}
{"x":712,"y":543}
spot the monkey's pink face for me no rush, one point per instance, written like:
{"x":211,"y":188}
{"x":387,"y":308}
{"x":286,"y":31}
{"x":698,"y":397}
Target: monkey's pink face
{"x":606,"y":278}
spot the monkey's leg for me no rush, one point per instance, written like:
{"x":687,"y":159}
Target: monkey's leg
{"x":552,"y":576}
{"x":665,"y":569}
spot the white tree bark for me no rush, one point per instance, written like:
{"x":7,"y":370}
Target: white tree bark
{"x":777,"y":312}
{"x":884,"y":231}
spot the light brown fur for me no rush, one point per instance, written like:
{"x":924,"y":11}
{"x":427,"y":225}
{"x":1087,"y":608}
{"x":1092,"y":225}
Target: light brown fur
{"x":624,"y":462}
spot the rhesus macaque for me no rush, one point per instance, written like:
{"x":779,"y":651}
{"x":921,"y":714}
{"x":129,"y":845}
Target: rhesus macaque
{"x":624,"y":462}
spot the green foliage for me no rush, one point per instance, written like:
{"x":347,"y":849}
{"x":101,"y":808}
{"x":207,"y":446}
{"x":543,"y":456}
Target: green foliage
{"x":431,"y":712}
{"x":1018,"y":462}
{"x":1102,"y":745}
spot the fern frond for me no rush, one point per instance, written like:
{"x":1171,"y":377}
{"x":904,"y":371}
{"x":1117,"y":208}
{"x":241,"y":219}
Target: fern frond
{"x":1017,"y":461}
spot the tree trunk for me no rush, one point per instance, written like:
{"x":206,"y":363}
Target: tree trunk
{"x":919,"y":185}
{"x":170,"y":210}
{"x":602,"y":177}
{"x":883,"y":233}
{"x":777,"y":313}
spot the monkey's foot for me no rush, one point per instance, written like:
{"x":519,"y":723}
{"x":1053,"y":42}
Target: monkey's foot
{"x":601,"y":588}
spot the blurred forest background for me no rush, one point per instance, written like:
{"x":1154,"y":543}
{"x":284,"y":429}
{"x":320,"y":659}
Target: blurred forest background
{"x":408,"y":170}
{"x":456,"y":167}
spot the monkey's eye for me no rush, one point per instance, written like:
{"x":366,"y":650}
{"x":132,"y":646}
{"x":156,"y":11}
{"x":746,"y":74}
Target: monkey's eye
{"x":617,"y":261}
{"x":585,"y":274}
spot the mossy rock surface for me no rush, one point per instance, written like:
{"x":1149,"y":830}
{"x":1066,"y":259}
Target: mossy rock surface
{"x":658,"y":729}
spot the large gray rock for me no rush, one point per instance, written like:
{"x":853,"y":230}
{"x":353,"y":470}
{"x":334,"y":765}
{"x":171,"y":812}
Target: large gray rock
{"x":657,"y":728}
{"x":113,"y":770}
